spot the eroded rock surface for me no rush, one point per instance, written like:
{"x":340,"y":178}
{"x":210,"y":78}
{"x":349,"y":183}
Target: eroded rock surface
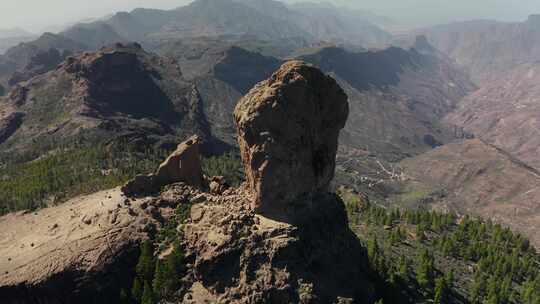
{"x":238,"y":256}
{"x":183,"y":165}
{"x":288,"y":128}
{"x":78,"y":252}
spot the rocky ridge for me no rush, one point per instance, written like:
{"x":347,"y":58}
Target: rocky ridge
{"x":505,"y":111}
{"x":397,"y":98}
{"x":28,"y":59}
{"x":486,"y":48}
{"x":145,"y":100}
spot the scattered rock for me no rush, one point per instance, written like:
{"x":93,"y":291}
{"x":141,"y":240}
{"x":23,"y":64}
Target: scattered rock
{"x":218,"y":185}
{"x":288,"y":128}
{"x":199,"y":198}
{"x":86,"y":220}
{"x":67,"y":266}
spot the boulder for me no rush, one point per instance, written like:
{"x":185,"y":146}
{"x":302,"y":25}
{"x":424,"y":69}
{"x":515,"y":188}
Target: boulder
{"x":218,"y":185}
{"x":288,"y":128}
{"x":183,"y":165}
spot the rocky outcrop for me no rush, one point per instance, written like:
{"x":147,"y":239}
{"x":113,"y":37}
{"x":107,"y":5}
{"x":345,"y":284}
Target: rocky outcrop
{"x":288,"y":128}
{"x":9,"y":124}
{"x":237,"y":256}
{"x":280,"y":238}
{"x":218,"y":185}
{"x":183,"y":165}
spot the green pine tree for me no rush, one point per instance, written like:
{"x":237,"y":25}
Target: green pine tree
{"x":478,"y":287}
{"x":160,"y":280}
{"x":440,"y":291}
{"x":148,"y":294}
{"x":373,"y":249}
{"x":449,"y":278}
{"x":174,"y":266}
{"x":403,"y":268}
{"x":425,"y":269}
{"x":124,"y":297}
{"x":146,"y":265}
{"x":137,"y":290}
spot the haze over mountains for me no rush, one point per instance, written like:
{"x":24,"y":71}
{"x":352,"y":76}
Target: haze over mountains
{"x":442,"y":117}
{"x":487,"y":48}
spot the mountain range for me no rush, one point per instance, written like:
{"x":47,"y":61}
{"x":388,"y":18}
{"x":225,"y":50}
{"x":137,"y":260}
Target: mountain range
{"x":233,"y":20}
{"x":444,"y":118}
{"x":486,"y":48}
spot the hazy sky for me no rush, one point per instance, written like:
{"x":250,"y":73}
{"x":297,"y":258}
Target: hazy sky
{"x":36,"y":15}
{"x":420,"y":12}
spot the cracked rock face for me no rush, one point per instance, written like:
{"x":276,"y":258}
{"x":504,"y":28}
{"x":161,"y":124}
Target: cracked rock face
{"x":238,"y":256}
{"x":288,"y":129}
{"x":183,"y":165}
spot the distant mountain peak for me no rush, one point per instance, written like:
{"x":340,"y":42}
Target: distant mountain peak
{"x":534,"y":20}
{"x":422,"y":45}
{"x":13,"y":32}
